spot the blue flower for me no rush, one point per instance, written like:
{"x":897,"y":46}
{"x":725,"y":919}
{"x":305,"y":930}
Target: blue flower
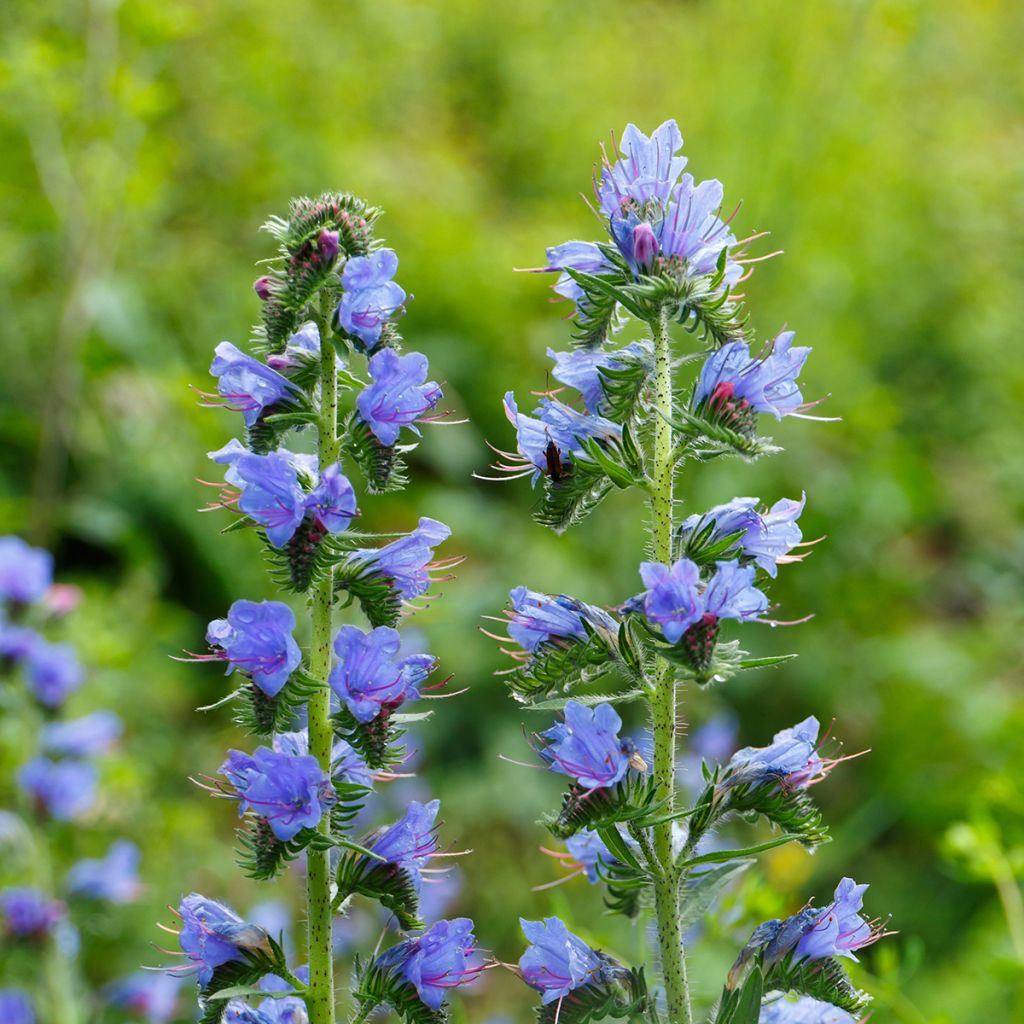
{"x":692,"y":231}
{"x":371,"y":298}
{"x":583,"y":256}
{"x":333,"y":501}
{"x":114,"y":878}
{"x":399,"y":395}
{"x":289,"y":792}
{"x":289,"y":1010}
{"x":538,"y":619}
{"x":65,"y":790}
{"x":81,"y":737}
{"x":791,"y":757}
{"x":238,"y":1012}
{"x":409,"y":842}
{"x":589,"y":851}
{"x":369,"y":677}
{"x":581,"y":369}
{"x":647,"y":170}
{"x":435,"y":961}
{"x":301,"y":350}
{"x":347,"y":766}
{"x":53,"y":673}
{"x":556,"y":962}
{"x":838,"y":929}
{"x":554,"y":424}
{"x":28,"y":913}
{"x":406,"y":561}
{"x":804,"y":1010}
{"x":149,"y":994}
{"x":731,"y":594}
{"x":18,"y":642}
{"x":212,"y":934}
{"x":256,"y":638}
{"x":247,"y":385}
{"x":734,"y":385}
{"x":15,"y":1007}
{"x":25,"y":572}
{"x":586,"y":746}
{"x":766,"y":537}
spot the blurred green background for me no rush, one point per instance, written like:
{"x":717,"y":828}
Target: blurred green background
{"x":144,"y":143}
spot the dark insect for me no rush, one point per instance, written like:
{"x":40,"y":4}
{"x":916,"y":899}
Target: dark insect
{"x":557,"y":469}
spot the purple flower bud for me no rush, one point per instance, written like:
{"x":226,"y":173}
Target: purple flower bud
{"x":262,"y":287}
{"x":148,"y":994}
{"x":28,"y":913}
{"x":399,"y":395}
{"x":81,"y":737}
{"x":53,"y":673}
{"x":406,"y":561}
{"x":586,"y":746}
{"x":213,"y":934}
{"x":436,"y":961}
{"x":256,"y":638}
{"x":290,"y":793}
{"x":15,"y":1007}
{"x":63,"y":789}
{"x":410,"y":841}
{"x":114,"y":878}
{"x":369,"y":678}
{"x":328,"y":244}
{"x":556,"y":962}
{"x":645,"y":246}
{"x":25,"y":572}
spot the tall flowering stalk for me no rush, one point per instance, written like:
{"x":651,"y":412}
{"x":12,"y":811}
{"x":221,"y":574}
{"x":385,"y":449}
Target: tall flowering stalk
{"x":696,"y":388}
{"x":327,"y":716}
{"x":42,"y":896}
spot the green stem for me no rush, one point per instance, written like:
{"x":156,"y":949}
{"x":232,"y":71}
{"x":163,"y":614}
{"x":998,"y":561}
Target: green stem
{"x":663,"y":702}
{"x":320,"y":997}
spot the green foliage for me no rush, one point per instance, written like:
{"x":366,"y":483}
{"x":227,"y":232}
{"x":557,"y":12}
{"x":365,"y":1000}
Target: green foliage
{"x":382,"y":466}
{"x":375,"y":987}
{"x":390,"y":885}
{"x":632,"y":799}
{"x":375,"y":741}
{"x":620,"y":994}
{"x":263,"y":716}
{"x":376,"y":592}
{"x":826,"y":980}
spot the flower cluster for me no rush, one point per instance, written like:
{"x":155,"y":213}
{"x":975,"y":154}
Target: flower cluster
{"x":58,"y":774}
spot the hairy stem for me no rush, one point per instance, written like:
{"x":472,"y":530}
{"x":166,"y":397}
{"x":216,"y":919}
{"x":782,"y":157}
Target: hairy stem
{"x":663,"y":702}
{"x":320,"y":997}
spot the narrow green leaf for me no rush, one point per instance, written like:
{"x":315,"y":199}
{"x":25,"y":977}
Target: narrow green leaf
{"x":700,"y":893}
{"x":720,"y":856}
{"x":587,"y":699}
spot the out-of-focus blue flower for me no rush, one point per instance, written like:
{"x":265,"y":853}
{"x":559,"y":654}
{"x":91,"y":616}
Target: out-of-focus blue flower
{"x":436,"y":961}
{"x":369,"y":677}
{"x":115,"y":877}
{"x":271,"y":494}
{"x":407,"y":560}
{"x":213,"y":934}
{"x":675,"y":599}
{"x":581,"y":369}
{"x":410,"y":841}
{"x":838,"y":929}
{"x":15,"y":1007}
{"x":25,"y":572}
{"x":63,"y":789}
{"x":767,"y":537}
{"x":575,"y":255}
{"x":256,"y":638}
{"x":646,"y":172}
{"x":371,"y":296}
{"x":18,"y":642}
{"x":290,"y":1010}
{"x":151,"y":995}
{"x":399,"y":395}
{"x":586,"y":746}
{"x":556,"y":962}
{"x":554,"y":423}
{"x":247,"y":385}
{"x":732,"y":381}
{"x":28,"y":913}
{"x":53,"y":673}
{"x":791,"y":757}
{"x":238,"y":1012}
{"x":542,"y":618}
{"x":804,"y":1010}
{"x":81,"y":737}
{"x":588,"y":850}
{"x":291,"y":793}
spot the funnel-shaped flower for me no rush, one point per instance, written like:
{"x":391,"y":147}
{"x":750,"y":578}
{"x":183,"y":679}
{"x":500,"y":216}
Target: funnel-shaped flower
{"x":114,"y":877}
{"x":256,"y":638}
{"x":410,"y":841}
{"x":371,"y":296}
{"x":53,"y":673}
{"x":556,"y":962}
{"x":407,"y":560}
{"x":213,"y":934}
{"x":63,"y":789}
{"x":646,"y":171}
{"x":28,"y":913}
{"x":544,"y":618}
{"x":791,"y":757}
{"x":436,"y":961}
{"x":81,"y":737}
{"x":247,"y":385}
{"x":586,"y":746}
{"x":399,"y":395}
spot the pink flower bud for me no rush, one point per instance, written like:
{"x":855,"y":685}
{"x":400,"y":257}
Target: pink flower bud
{"x":62,"y":598}
{"x":262,"y":287}
{"x":645,"y":245}
{"x":328,"y":242}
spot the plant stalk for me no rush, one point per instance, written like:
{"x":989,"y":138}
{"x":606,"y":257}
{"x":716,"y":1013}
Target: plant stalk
{"x":320,"y":996}
{"x":663,"y":702}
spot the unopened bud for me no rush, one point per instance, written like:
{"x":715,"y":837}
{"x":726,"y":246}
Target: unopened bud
{"x":261,"y":286}
{"x":645,"y":245}
{"x":328,"y":242}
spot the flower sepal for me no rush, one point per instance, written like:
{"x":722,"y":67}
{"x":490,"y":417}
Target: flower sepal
{"x":263,"y":715}
{"x":394,"y":887}
{"x":376,"y":986}
{"x":632,"y":799}
{"x":375,"y":591}
{"x":376,"y":741}
{"x":382,"y":466}
{"x":616,"y":993}
{"x":239,"y":975}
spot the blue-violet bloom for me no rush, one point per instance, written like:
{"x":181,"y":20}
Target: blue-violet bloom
{"x":213,"y":934}
{"x":25,"y":572}
{"x":28,"y":913}
{"x":581,"y":369}
{"x":53,"y":673}
{"x":256,"y":638}
{"x":63,"y":789}
{"x":371,"y":296}
{"x":399,"y":395}
{"x":586,"y":746}
{"x":410,"y":842}
{"x":556,"y":962}
{"x":15,"y":1007}
{"x":247,"y":385}
{"x":81,"y":737}
{"x":804,"y":1010}
{"x":114,"y":877}
{"x":435,"y":961}
{"x":406,"y":561}
{"x":537,"y":618}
